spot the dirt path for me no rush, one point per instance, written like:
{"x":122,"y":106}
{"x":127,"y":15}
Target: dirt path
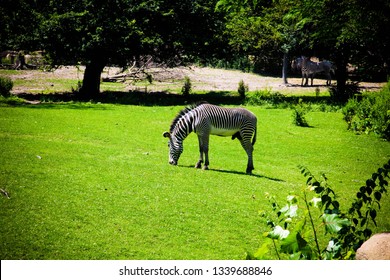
{"x":202,"y":78}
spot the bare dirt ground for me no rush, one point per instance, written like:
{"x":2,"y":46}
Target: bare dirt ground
{"x":202,"y":79}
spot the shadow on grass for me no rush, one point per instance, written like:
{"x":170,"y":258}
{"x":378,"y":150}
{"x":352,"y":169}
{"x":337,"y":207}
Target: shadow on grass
{"x":243,"y":173}
{"x":167,"y":99}
{"x":235,"y":172}
{"x":136,"y":98}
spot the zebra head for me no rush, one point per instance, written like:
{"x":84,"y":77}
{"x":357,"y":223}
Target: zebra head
{"x":175,"y":148}
{"x":296,"y":64}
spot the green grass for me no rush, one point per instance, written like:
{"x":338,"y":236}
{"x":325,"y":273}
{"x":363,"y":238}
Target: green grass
{"x":92,"y":181}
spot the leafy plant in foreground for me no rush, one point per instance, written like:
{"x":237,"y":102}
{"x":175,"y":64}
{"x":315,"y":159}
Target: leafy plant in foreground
{"x":296,"y":229}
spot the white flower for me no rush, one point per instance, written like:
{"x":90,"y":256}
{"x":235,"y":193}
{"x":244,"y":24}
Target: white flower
{"x":316,"y":201}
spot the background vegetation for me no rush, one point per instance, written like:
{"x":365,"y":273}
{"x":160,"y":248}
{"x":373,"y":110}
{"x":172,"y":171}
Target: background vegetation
{"x":255,"y":35}
{"x":371,"y":114}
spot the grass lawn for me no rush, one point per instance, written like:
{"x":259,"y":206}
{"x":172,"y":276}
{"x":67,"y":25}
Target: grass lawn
{"x":92,"y":181}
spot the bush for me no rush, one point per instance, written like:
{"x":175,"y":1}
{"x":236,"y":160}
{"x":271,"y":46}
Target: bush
{"x":242,"y":88}
{"x":299,"y":113}
{"x":6,"y":86}
{"x":371,"y":114}
{"x":187,"y":87}
{"x":266,"y":97}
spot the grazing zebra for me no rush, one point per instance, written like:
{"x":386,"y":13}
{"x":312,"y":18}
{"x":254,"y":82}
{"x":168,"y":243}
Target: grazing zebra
{"x":310,"y":68}
{"x":205,"y":119}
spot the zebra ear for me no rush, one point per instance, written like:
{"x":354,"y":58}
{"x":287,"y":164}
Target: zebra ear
{"x":167,"y":134}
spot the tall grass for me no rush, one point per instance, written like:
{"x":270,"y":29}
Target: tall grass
{"x":92,"y":181}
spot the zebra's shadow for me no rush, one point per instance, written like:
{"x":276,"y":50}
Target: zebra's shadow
{"x":236,"y":172}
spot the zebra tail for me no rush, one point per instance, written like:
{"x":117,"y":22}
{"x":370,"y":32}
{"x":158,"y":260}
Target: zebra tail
{"x":254,"y":137}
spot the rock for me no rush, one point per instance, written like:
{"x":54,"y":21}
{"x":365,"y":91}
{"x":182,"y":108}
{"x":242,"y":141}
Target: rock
{"x":375,"y":248}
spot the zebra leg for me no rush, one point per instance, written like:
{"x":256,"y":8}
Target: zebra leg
{"x":206,"y":152}
{"x":306,"y":79}
{"x":203,"y":149}
{"x":248,"y":147}
{"x":200,"y":161}
{"x":328,"y":79}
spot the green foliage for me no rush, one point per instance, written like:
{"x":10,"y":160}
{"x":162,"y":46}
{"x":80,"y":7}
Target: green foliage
{"x":265,"y":97}
{"x":242,"y":88}
{"x":6,"y":85}
{"x":11,"y":100}
{"x":300,"y":239}
{"x":299,"y":112}
{"x":187,"y":87}
{"x":363,"y":212}
{"x":371,"y":114}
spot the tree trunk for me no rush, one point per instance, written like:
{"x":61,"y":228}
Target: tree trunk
{"x":341,"y":62}
{"x":91,"y":80}
{"x":285,"y":68}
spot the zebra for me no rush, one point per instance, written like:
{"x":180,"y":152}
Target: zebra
{"x":205,"y":119}
{"x":310,"y":68}
{"x":296,"y":64}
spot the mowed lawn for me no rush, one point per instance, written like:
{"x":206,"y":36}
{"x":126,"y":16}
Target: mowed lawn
{"x":92,"y":181}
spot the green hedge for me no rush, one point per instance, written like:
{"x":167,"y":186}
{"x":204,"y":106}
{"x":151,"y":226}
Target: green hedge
{"x":370,"y":114}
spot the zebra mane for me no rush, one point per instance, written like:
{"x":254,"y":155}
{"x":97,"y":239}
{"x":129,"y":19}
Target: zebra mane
{"x":184,"y":112}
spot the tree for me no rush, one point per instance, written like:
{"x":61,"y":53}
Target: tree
{"x":346,"y":31}
{"x":19,"y":23}
{"x":117,"y":32}
{"x":264,"y":30}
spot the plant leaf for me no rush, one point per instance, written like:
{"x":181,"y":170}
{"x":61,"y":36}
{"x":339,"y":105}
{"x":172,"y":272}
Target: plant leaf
{"x":290,"y":210}
{"x":262,"y":252}
{"x":316,"y":201}
{"x":333,"y":223}
{"x":295,"y":243}
{"x":278,"y":233}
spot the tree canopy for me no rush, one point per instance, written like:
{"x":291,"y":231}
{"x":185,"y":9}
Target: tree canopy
{"x":345,"y":31}
{"x":116,"y":32}
{"x":268,"y":32}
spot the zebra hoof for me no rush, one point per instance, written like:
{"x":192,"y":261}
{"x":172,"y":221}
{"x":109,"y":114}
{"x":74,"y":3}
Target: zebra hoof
{"x":249,"y":171}
{"x":205,"y":167}
{"x":198,"y":165}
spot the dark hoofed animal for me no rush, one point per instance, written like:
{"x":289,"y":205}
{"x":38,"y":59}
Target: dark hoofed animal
{"x":310,"y":68}
{"x":205,"y":119}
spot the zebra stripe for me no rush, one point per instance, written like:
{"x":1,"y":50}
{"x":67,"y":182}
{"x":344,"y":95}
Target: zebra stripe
{"x":205,"y":119}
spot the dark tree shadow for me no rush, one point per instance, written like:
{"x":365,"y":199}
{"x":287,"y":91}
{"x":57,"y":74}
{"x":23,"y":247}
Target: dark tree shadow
{"x":137,"y":98}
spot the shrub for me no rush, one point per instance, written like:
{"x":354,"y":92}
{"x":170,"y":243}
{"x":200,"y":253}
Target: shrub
{"x":187,"y":87}
{"x":298,"y":224}
{"x":266,"y":97}
{"x":6,"y":86}
{"x":242,"y":88}
{"x":299,"y":112}
{"x":371,"y":114}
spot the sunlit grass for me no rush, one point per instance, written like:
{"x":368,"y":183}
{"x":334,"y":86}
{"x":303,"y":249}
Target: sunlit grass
{"x":92,"y":181}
